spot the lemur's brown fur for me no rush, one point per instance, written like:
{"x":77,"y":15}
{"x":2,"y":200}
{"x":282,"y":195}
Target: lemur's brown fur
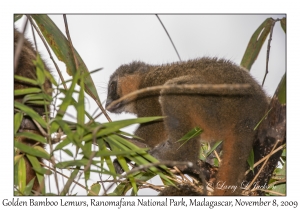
{"x":26,"y":68}
{"x":224,"y":116}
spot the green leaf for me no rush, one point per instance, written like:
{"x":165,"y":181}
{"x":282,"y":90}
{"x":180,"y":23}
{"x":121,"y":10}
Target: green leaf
{"x":28,"y":187}
{"x":281,"y":90}
{"x":62,"y":49}
{"x":40,"y":171}
{"x":95,"y":189}
{"x":80,"y":109}
{"x":68,"y":152}
{"x":111,"y":127}
{"x":22,"y":174}
{"x":25,"y":91}
{"x":18,"y":117}
{"x":70,"y":181}
{"x":109,"y":162}
{"x":29,"y":111}
{"x":65,"y":104}
{"x":191,"y":134}
{"x":79,"y":163}
{"x":125,"y":167}
{"x":17,"y":17}
{"x":62,"y":144}
{"x":26,"y":80}
{"x":283,"y":24}
{"x":33,"y":136}
{"x":40,"y":96}
{"x":37,"y":167}
{"x":250,"y":159}
{"x":17,"y":158}
{"x":213,"y":148}
{"x":281,"y":187}
{"x":35,"y":151}
{"x":40,"y":70}
{"x":256,"y":42}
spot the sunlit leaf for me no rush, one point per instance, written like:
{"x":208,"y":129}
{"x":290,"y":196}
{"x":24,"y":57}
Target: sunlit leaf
{"x":18,"y":117}
{"x":34,"y":151}
{"x":22,"y":174}
{"x":26,"y":80}
{"x":24,"y":91}
{"x":95,"y":189}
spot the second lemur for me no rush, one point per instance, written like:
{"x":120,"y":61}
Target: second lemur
{"x":223,"y":116}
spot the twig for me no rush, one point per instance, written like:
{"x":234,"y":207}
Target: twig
{"x":264,"y":158}
{"x":272,"y":192}
{"x":168,"y":36}
{"x":268,"y":51}
{"x":40,"y":128}
{"x":53,"y":169}
{"x":157,"y":188}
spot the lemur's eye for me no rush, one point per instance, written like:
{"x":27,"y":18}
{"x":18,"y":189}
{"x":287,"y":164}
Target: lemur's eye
{"x":113,"y":86}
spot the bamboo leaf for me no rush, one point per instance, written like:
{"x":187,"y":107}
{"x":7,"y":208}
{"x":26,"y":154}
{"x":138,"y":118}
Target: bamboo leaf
{"x":35,"y":97}
{"x":95,"y":189}
{"x":281,"y":90}
{"x":78,"y":163}
{"x":33,"y":136}
{"x":250,"y":160}
{"x":34,"y":151}
{"x":67,"y":100}
{"x":24,"y":91}
{"x":62,"y":49}
{"x":213,"y":148}
{"x":111,"y":127}
{"x":26,"y":80}
{"x":29,"y":111}
{"x":18,"y":117}
{"x":17,"y":17}
{"x":40,"y":70}
{"x":191,"y":134}
{"x":283,"y":24}
{"x":22,"y":174}
{"x":28,"y":188}
{"x":256,"y":42}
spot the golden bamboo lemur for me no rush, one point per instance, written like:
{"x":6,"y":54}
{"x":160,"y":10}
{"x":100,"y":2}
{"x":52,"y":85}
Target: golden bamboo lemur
{"x":222,"y":116}
{"x":26,"y":68}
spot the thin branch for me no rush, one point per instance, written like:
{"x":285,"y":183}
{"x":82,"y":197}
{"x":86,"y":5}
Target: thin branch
{"x":67,"y":177}
{"x":272,"y":192}
{"x":264,"y":158}
{"x":168,"y":36}
{"x":268,"y":51}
